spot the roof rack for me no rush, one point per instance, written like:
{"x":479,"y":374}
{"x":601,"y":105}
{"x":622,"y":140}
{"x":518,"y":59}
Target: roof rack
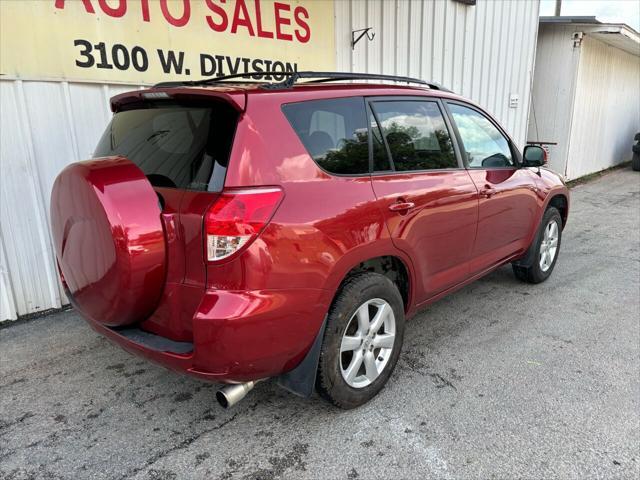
{"x":293,"y":77}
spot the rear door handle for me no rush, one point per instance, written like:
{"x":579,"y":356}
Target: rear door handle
{"x":402,"y":206}
{"x":487,"y":192}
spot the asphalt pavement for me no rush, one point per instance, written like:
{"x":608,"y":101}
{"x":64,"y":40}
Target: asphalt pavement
{"x":499,"y":380}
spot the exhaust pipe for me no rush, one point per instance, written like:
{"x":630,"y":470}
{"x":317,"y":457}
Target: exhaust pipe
{"x":231,"y":394}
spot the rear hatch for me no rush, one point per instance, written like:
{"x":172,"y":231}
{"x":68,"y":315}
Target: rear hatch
{"x":127,"y":226}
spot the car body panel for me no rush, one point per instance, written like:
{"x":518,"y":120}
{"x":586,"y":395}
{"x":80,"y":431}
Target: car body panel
{"x":438,"y":233}
{"x":505,"y":215}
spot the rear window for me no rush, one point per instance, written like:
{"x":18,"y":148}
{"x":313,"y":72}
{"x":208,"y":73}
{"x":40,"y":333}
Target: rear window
{"x":175,"y":146}
{"x":334,"y":132}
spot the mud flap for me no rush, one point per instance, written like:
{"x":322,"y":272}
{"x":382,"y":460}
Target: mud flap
{"x":302,"y":379}
{"x":529,"y":256}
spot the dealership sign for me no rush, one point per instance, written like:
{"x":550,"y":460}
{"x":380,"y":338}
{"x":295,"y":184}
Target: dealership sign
{"x":147,"y":41}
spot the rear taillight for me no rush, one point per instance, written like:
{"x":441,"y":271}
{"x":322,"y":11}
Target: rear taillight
{"x":236,"y":218}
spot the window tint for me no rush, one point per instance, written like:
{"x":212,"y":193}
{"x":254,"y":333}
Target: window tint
{"x":175,"y":146}
{"x":484,"y":144}
{"x":334,"y":132}
{"x":416,"y":134}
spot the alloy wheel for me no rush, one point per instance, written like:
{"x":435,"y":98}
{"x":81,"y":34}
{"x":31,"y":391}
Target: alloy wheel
{"x":367,"y":343}
{"x":549,"y":245}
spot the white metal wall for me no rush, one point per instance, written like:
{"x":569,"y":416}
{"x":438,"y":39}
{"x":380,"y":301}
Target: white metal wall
{"x":484,"y":52}
{"x":606,"y":113}
{"x":45,"y":126}
{"x":553,"y":94}
{"x":586,"y":98}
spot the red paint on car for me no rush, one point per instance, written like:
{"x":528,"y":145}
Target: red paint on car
{"x":131,"y":234}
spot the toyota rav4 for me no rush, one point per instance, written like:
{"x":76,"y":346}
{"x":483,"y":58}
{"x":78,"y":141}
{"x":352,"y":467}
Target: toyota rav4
{"x":238,"y":231}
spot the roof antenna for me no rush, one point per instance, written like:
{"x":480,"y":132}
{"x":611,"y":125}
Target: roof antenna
{"x":533,"y":106}
{"x":533,"y":110}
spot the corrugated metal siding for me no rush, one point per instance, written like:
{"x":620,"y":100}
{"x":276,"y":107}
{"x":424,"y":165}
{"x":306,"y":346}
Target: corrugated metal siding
{"x":45,"y":126}
{"x":7,"y":302}
{"x":606,"y":112}
{"x":586,"y":98}
{"x":484,"y":52}
{"x":554,"y":92}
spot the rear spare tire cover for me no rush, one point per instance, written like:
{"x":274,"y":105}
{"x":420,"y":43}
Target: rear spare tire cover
{"x":109,"y":240}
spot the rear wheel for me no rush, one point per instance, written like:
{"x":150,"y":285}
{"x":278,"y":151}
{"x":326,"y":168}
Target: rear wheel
{"x":543,"y":253}
{"x":362,"y":341}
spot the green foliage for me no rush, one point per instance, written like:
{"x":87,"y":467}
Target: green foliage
{"x":353,"y":155}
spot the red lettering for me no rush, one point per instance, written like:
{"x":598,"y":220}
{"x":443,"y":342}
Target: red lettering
{"x":298,"y":14}
{"x":280,"y":21}
{"x":144,"y":4}
{"x":117,"y":12}
{"x":176,"y":22}
{"x":244,"y":21}
{"x":261,"y":33}
{"x":224,"y":21}
{"x":87,"y":5}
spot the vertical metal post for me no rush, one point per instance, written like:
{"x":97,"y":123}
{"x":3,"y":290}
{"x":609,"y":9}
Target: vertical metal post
{"x":558,"y":7}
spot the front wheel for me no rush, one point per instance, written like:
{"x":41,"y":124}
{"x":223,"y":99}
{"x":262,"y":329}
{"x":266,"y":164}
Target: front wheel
{"x":543,"y":253}
{"x":362,"y":341}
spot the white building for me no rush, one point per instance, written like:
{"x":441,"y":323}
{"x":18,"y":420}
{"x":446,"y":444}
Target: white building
{"x":54,"y":100}
{"x":586,"y":93}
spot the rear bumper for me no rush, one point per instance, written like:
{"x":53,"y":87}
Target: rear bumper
{"x":238,"y":336}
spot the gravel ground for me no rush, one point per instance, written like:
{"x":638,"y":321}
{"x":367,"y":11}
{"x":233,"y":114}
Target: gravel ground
{"x":499,"y":380}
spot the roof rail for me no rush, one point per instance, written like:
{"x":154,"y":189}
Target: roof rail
{"x":321,"y":77}
{"x":293,"y":77}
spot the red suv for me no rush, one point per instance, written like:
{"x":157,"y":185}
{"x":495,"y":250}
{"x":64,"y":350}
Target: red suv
{"x":239,"y":231}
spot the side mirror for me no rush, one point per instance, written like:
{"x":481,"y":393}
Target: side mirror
{"x":534,"y":156}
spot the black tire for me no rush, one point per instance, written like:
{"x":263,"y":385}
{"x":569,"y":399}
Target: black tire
{"x":528,"y":269}
{"x":357,"y":290}
{"x":635,"y":162}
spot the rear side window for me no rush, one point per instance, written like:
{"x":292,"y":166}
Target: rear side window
{"x":175,"y":146}
{"x":416,"y":134}
{"x":334,"y":132}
